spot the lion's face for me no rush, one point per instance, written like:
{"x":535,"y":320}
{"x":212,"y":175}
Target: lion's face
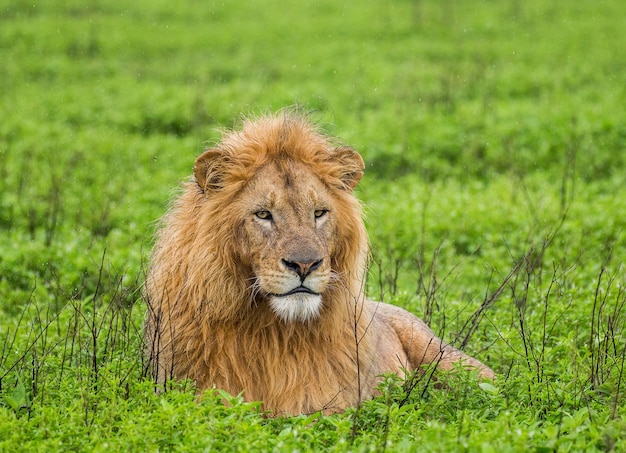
{"x":277,"y":223}
{"x":288,"y":235}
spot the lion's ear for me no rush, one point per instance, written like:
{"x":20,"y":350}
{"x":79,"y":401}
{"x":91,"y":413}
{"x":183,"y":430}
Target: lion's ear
{"x":209,"y":170}
{"x":350,"y":166}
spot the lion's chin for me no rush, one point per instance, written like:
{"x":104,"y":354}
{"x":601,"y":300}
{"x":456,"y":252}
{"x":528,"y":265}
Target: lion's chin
{"x":297,"y":307}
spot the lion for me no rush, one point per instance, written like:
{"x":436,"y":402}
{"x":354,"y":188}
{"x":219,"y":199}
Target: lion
{"x":256,"y":280}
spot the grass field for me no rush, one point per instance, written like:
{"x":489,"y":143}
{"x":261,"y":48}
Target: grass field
{"x":495,"y":139}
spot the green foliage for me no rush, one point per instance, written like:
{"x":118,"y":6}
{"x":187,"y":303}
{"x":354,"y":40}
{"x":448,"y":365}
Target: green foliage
{"x":494,"y":138}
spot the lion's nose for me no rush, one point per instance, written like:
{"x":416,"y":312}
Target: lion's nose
{"x":302,"y":267}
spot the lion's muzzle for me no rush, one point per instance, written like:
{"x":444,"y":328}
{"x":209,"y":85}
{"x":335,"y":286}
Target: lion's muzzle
{"x":302,"y":266}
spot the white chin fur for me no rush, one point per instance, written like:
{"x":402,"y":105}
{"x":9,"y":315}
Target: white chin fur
{"x":297,"y":307}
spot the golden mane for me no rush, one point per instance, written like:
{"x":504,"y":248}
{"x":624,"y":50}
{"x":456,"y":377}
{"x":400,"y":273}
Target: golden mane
{"x":203,"y":316}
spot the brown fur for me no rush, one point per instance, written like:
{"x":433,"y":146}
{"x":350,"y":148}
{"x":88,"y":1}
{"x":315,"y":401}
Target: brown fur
{"x":215,"y":263}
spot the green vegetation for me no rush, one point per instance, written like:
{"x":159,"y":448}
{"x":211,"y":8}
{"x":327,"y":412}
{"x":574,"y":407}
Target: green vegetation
{"x":495,"y":137}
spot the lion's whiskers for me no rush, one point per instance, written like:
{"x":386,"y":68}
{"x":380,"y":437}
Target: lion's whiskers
{"x":254,"y":287}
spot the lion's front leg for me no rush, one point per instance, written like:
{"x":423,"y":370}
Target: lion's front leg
{"x":419,"y":343}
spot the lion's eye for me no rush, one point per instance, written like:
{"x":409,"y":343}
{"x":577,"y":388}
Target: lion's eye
{"x":320,"y":213}
{"x":263,"y":215}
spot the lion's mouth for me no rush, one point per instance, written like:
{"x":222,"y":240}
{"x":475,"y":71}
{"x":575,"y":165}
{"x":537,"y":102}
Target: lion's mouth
{"x":297,"y":290}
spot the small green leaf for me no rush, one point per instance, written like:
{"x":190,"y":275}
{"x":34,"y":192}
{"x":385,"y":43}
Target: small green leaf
{"x":489,"y":388}
{"x":17,"y":398}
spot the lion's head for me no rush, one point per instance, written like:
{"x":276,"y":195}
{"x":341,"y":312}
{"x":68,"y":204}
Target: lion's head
{"x":276,"y":198}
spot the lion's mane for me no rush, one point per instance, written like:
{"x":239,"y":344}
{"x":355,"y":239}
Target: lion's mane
{"x":204,"y":320}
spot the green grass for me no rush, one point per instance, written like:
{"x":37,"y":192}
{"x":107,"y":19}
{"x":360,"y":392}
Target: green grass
{"x":495,"y":140}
